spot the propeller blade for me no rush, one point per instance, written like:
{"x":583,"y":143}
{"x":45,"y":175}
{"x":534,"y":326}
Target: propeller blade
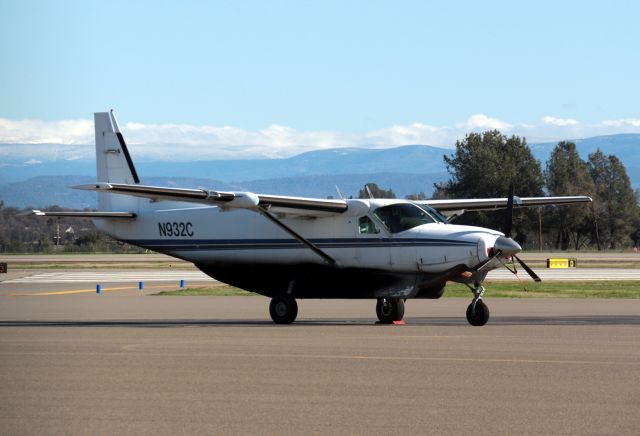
{"x":484,"y":262}
{"x":508,"y":218}
{"x":529,"y":271}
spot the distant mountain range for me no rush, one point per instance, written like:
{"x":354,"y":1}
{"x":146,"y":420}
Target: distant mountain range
{"x":414,"y":159}
{"x":407,"y":170}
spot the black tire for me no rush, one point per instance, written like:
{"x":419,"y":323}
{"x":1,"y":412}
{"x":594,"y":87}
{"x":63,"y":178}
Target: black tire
{"x":283,"y":309}
{"x":481,"y":316}
{"x":390,"y":310}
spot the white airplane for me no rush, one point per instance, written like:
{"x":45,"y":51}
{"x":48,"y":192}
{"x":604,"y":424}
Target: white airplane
{"x":288,"y":248}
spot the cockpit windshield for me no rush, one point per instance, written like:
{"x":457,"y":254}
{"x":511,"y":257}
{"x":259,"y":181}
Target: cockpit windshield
{"x":434,"y":213}
{"x":403,"y":216}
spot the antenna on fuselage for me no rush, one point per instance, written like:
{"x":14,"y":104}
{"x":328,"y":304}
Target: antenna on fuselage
{"x":339,"y":193}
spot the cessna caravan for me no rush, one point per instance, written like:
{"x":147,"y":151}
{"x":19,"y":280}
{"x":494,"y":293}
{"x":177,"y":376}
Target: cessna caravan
{"x":289,"y":248}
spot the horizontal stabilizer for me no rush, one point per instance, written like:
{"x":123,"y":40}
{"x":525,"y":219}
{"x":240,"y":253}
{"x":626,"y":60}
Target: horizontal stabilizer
{"x":97,"y":214}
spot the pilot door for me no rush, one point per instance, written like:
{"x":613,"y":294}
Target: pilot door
{"x":372,"y":244}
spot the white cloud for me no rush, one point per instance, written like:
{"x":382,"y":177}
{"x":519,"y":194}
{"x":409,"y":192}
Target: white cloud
{"x":560,"y":122}
{"x":482,"y":121}
{"x":416,"y":133}
{"x":227,"y":141}
{"x":626,"y":122}
{"x":50,"y":132}
{"x":33,"y":162}
{"x":73,"y":139}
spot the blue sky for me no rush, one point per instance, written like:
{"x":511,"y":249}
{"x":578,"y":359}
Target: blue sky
{"x":249,"y":78}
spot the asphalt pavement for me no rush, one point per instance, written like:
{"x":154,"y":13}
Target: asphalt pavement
{"x":129,"y":363}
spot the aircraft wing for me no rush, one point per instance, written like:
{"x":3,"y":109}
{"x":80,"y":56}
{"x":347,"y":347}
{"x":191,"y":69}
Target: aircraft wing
{"x":500,"y":203}
{"x":266,"y":205}
{"x":302,"y":206}
{"x":231,"y":200}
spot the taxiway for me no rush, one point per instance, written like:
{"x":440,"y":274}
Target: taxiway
{"x":127,"y":363}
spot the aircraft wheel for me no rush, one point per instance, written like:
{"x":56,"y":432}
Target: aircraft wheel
{"x":481,"y":316}
{"x":283,"y":309}
{"x":390,"y":310}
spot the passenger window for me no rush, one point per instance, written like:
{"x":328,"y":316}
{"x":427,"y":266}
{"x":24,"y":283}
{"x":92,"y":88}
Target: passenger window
{"x":366,"y":226}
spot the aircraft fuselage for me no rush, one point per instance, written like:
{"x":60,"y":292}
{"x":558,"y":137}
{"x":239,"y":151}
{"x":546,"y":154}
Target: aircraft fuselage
{"x":243,"y":248}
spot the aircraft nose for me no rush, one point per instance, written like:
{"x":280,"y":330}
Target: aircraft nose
{"x":507,"y":246}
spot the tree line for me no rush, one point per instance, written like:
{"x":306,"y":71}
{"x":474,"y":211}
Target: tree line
{"x":23,"y":233}
{"x":483,"y":165}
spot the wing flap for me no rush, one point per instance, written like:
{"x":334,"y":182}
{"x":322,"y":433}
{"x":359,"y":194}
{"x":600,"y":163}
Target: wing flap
{"x":301,"y":203}
{"x":160,"y":192}
{"x":501,"y":203}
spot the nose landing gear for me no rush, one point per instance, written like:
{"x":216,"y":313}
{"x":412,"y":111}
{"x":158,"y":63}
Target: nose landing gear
{"x":477,"y":311}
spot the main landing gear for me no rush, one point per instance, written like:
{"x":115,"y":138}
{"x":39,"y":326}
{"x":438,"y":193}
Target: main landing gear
{"x":390,"y":310}
{"x":477,"y":312}
{"x":283,"y":309}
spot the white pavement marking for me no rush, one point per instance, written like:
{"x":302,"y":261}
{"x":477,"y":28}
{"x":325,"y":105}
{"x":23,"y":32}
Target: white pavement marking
{"x":115,"y":276}
{"x":572,"y":274}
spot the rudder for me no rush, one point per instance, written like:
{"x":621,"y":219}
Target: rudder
{"x":114,"y":162}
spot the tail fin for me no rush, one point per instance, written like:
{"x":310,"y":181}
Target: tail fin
{"x":114,"y":164}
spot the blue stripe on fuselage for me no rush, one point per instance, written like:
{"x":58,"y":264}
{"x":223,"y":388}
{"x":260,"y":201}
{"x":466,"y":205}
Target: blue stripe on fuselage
{"x":273,"y":244}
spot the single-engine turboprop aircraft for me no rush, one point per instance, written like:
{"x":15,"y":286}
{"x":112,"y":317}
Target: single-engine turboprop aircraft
{"x":291,"y":247}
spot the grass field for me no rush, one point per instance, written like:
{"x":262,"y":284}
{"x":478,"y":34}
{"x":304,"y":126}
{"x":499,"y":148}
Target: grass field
{"x":604,"y":289}
{"x":216,"y":291}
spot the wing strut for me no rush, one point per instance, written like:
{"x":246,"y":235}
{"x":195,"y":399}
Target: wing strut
{"x":330,"y":260}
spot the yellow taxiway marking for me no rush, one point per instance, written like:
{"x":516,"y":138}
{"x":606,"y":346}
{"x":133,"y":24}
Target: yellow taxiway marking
{"x":86,"y":291}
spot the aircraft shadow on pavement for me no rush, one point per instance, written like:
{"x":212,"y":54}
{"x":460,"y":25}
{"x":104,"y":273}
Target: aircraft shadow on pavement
{"x":581,"y":320}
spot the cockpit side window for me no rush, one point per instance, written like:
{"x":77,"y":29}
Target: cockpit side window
{"x":367,"y":227}
{"x":404,"y":216}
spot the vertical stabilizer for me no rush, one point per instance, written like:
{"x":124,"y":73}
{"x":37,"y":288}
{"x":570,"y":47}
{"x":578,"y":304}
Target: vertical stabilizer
{"x":113,"y":158}
{"x":114,"y":163}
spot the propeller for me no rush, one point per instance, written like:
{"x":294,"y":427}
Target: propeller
{"x":529,"y":271}
{"x":506,"y":244}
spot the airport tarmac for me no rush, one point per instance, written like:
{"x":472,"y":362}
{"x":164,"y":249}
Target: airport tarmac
{"x":32,"y":281}
{"x":130,"y":363}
